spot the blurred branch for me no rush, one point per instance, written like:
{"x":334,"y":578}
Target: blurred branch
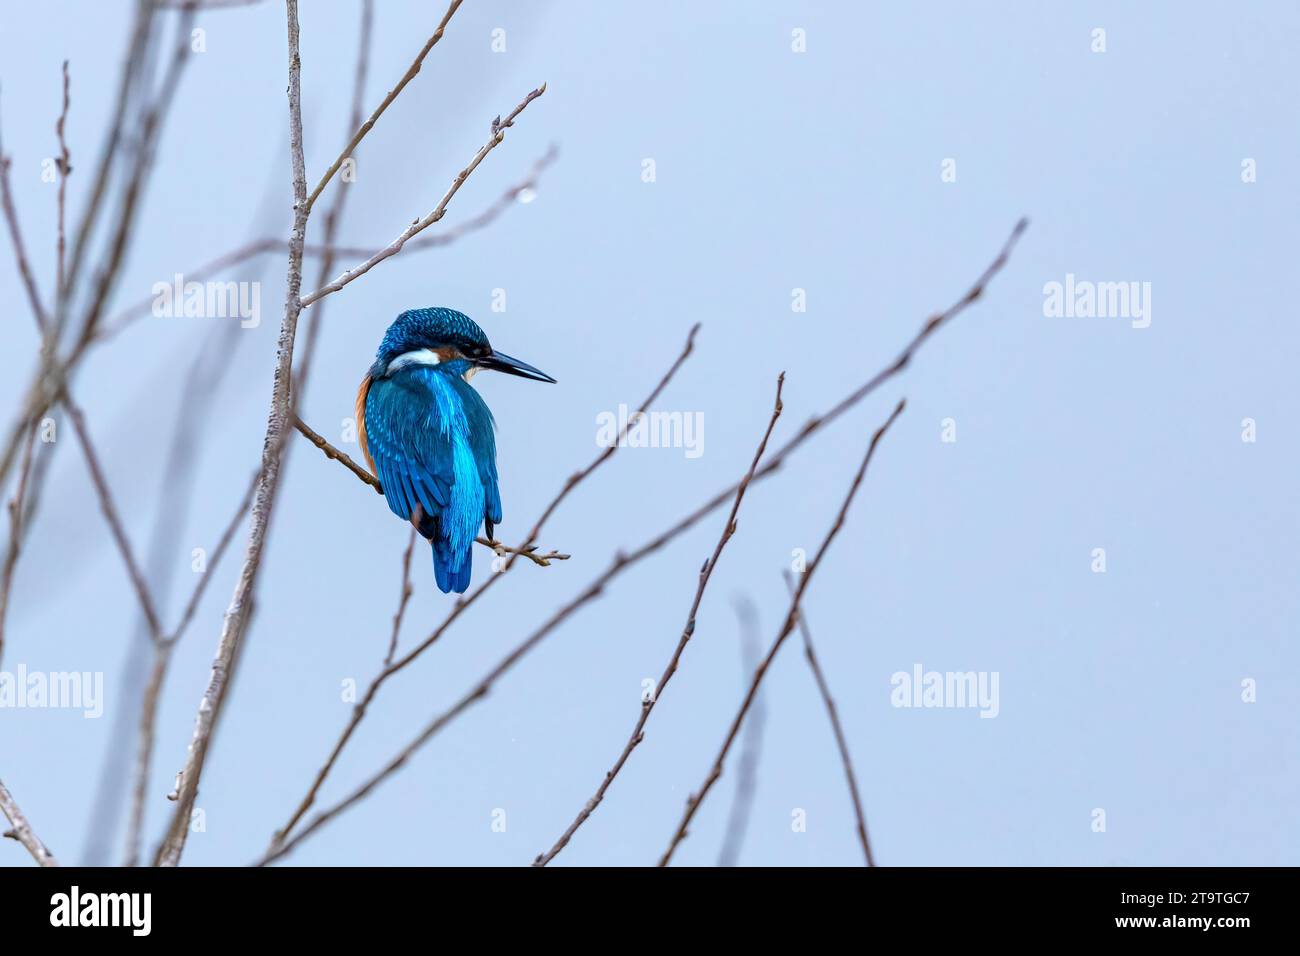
{"x":688,"y":631}
{"x":22,"y":830}
{"x":16,"y":529}
{"x":49,"y":382}
{"x":205,"y":4}
{"x":106,"y":504}
{"x":810,"y":654}
{"x":693,"y":803}
{"x":132,"y":70}
{"x":747,"y":777}
{"x":280,"y":843}
{"x":150,"y":132}
{"x":498,"y":135}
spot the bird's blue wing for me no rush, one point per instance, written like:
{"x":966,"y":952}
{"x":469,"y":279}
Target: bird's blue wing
{"x":410,"y":446}
{"x":484,"y":445}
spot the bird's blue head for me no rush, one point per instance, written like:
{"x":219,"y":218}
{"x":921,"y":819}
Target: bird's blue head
{"x":444,"y":337}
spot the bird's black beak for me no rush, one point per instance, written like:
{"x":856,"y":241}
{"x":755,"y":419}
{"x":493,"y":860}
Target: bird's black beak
{"x":504,"y":363}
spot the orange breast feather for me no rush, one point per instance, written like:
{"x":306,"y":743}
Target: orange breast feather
{"x":362,"y":392}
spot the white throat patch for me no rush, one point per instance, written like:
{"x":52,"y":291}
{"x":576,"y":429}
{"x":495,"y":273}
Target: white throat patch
{"x":417,"y":357}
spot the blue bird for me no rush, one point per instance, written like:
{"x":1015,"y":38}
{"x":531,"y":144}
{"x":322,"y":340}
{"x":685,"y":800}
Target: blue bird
{"x":428,"y":436}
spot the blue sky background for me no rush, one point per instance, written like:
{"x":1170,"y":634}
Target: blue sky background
{"x":775,"y":171}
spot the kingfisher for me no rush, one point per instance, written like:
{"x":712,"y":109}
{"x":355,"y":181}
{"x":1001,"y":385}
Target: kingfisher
{"x":428,"y":435}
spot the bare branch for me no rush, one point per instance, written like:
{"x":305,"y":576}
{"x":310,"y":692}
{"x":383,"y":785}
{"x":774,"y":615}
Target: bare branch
{"x":523,"y":551}
{"x":810,"y":654}
{"x":278,"y":847}
{"x":693,"y":803}
{"x":22,"y":830}
{"x":366,"y":127}
{"x":334,"y":454}
{"x":498,"y":135}
{"x":688,"y":631}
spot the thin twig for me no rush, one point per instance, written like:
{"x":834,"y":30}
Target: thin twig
{"x":19,"y":248}
{"x":688,"y":631}
{"x":22,"y":830}
{"x":333,"y":453}
{"x":65,"y":167}
{"x":150,"y":132}
{"x":697,"y":798}
{"x":278,"y":846}
{"x":810,"y":654}
{"x":498,"y":135}
{"x":387,"y":101}
{"x":523,"y":551}
{"x":403,"y":600}
{"x":133,"y":66}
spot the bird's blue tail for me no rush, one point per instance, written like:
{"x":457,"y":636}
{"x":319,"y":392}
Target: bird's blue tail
{"x":451,"y":570}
